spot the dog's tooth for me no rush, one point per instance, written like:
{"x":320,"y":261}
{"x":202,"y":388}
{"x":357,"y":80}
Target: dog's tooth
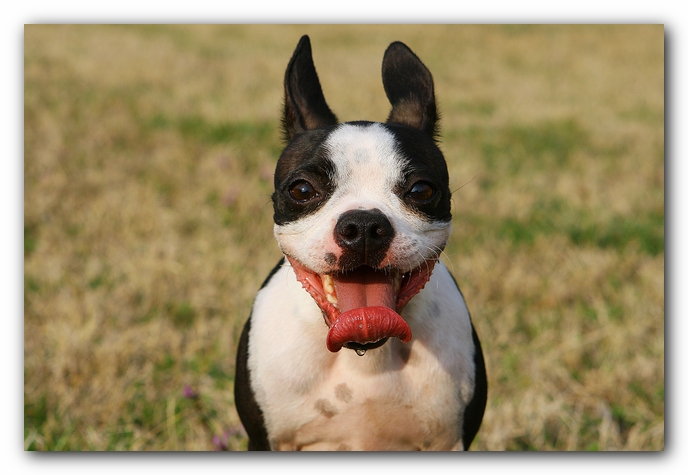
{"x":332,"y":299}
{"x":328,"y":283}
{"x":360,"y":351}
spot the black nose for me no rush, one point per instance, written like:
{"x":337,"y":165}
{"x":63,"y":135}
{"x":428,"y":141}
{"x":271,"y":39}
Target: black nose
{"x":364,"y":236}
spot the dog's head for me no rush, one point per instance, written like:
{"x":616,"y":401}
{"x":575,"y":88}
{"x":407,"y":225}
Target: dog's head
{"x":362,"y":209}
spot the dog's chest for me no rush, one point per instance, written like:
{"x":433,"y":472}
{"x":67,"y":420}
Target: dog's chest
{"x":396,"y":397}
{"x":351,"y":405}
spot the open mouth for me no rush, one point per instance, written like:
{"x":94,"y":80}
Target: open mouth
{"x":362,"y":307}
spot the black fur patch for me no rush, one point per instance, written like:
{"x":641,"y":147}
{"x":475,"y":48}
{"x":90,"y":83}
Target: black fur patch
{"x":305,"y":158}
{"x":425,"y":162}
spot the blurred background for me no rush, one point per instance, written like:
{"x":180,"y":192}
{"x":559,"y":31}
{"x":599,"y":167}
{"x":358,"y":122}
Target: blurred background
{"x":148,"y":160}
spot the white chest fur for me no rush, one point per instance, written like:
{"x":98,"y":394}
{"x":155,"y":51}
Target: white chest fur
{"x":396,"y":397}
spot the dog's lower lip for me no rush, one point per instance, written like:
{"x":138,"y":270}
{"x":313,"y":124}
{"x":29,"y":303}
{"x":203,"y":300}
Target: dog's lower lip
{"x":367,"y":326}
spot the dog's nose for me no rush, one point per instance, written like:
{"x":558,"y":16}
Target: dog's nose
{"x":365,"y":233}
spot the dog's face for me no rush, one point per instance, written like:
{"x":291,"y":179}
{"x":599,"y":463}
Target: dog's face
{"x":362,"y":209}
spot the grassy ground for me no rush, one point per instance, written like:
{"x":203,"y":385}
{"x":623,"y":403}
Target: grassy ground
{"x":148,"y":159}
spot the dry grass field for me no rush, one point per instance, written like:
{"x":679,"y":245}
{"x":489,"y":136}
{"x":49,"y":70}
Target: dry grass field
{"x":149,"y":153}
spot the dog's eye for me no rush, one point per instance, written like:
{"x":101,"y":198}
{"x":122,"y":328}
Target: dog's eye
{"x":302,"y":191}
{"x":421,"y":192}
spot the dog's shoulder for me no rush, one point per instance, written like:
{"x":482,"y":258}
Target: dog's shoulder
{"x":250,"y":414}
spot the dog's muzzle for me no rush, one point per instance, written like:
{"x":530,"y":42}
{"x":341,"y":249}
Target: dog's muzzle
{"x":360,"y":300}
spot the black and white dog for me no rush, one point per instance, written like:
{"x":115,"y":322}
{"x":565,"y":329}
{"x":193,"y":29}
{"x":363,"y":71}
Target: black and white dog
{"x":360,"y":339}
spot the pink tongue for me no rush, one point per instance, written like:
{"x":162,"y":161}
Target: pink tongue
{"x":367,"y":303}
{"x":364,"y":288}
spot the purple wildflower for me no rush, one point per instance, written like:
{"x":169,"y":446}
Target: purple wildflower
{"x":189,"y":393}
{"x":221,"y":443}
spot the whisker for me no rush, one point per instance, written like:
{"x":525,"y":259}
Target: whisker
{"x":469,"y":181}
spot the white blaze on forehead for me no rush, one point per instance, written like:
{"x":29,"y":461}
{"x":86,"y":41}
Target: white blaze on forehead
{"x":367,"y":161}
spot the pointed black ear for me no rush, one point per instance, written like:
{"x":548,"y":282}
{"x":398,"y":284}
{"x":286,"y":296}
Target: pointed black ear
{"x":409,"y":87}
{"x":304,"y":103}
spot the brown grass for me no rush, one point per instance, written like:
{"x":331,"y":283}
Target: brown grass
{"x":148,"y":160}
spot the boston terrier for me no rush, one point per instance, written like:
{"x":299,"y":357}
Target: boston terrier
{"x":360,"y":339}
